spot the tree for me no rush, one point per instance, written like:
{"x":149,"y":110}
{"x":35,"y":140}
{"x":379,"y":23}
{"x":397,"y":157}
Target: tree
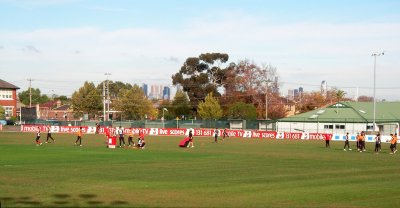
{"x":364,"y":98}
{"x":210,"y":108}
{"x":134,"y":104}
{"x":181,"y":104}
{"x":87,"y":100}
{"x":201,"y":75}
{"x":2,"y":113}
{"x":310,"y":101}
{"x":248,"y":82}
{"x":37,"y":97}
{"x":241,"y":110}
{"x":64,"y":99}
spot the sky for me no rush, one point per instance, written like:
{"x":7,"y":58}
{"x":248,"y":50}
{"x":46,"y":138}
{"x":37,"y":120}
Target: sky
{"x":60,"y":44}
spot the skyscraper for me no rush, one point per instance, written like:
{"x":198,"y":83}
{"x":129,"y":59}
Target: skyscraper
{"x":166,"y":93}
{"x":145,"y":90}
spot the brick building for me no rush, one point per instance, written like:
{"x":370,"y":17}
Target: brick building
{"x":8,"y":98}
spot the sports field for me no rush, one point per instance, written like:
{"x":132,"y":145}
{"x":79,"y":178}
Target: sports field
{"x":235,"y":173}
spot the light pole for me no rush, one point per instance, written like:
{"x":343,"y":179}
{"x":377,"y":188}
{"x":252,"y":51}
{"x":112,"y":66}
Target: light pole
{"x":108,"y":95}
{"x":164,"y":109}
{"x":375,"y":54}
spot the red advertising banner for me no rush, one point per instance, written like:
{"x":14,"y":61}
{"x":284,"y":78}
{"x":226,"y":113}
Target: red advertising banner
{"x":183,"y":132}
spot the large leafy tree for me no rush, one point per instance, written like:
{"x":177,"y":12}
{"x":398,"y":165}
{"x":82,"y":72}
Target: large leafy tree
{"x":201,"y":75}
{"x":133,"y":104}
{"x":87,"y":100}
{"x":210,"y":108}
{"x":181,"y":104}
{"x":241,"y":110}
{"x":37,"y":97}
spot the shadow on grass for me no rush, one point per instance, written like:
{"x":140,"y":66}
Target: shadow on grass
{"x":61,"y":200}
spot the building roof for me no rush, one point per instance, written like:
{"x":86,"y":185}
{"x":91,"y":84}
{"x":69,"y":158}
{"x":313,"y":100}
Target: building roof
{"x":63,"y":108}
{"x":6,"y":85}
{"x":358,"y":112}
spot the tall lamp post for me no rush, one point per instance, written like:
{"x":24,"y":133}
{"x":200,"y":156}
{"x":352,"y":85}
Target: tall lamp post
{"x":375,"y":54}
{"x":164,"y":109}
{"x":107,"y":96}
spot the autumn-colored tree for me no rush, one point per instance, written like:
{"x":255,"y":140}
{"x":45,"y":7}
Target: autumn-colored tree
{"x":364,"y":98}
{"x":181,"y":105}
{"x":248,"y":82}
{"x":310,"y":101}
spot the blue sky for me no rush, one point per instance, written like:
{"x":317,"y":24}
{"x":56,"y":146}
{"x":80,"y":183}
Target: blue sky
{"x":60,"y":44}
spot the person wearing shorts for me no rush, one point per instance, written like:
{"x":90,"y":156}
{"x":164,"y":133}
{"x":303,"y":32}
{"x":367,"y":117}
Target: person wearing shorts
{"x":130,"y":138}
{"x":191,"y":145}
{"x":378,"y":143}
{"x":216,"y":135}
{"x":79,"y":137}
{"x":346,"y":142}
{"x":38,"y":143}
{"x":49,"y":135}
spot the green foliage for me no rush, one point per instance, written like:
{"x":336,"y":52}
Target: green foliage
{"x":201,"y":75}
{"x":64,"y":99}
{"x":241,"y":110}
{"x":2,"y":113}
{"x":181,"y":105}
{"x":37,"y":97}
{"x":87,"y":100}
{"x":134,"y":104}
{"x":210,"y":108}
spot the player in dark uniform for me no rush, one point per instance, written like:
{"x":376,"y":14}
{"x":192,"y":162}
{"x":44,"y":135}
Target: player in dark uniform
{"x":121,"y":136}
{"x":38,"y":143}
{"x":378,"y":143}
{"x":49,"y":135}
{"x":346,"y":142}
{"x":224,"y":134}
{"x":190,"y":139}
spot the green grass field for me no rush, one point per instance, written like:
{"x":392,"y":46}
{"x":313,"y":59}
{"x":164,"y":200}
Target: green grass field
{"x":235,"y":173}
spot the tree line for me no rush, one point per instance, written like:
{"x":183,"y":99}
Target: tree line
{"x":212,"y":88}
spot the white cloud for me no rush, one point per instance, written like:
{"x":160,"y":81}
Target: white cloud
{"x":338,"y":53}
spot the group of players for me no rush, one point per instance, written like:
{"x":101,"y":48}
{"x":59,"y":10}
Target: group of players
{"x":360,"y":143}
{"x":108,"y":133}
{"x":141,"y":143}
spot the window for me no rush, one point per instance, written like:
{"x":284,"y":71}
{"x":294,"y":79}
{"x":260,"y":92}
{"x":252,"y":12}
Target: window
{"x":339,"y":126}
{"x":370,"y":127}
{"x":328,"y":126}
{"x":5,"y":94}
{"x":8,"y":111}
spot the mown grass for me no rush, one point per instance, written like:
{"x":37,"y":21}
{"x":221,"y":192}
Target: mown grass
{"x":235,"y":173}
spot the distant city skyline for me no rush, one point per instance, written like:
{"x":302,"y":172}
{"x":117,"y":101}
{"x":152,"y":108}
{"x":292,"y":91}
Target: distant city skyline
{"x":62,"y":44}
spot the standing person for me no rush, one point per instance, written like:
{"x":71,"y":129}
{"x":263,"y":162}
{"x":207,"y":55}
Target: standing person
{"x":346,"y":142}
{"x":190,"y":139}
{"x":38,"y":143}
{"x":79,"y":137}
{"x":216,"y":135}
{"x":224,"y":134}
{"x":395,"y":144}
{"x":362,"y":147}
{"x":49,"y":135}
{"x":327,"y":141}
{"x":121,"y":136}
{"x":377,"y":143}
{"x":130,"y":137}
{"x":392,"y":144}
{"x":358,"y":141}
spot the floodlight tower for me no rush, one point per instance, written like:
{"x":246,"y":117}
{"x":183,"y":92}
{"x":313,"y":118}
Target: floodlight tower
{"x":375,"y":54}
